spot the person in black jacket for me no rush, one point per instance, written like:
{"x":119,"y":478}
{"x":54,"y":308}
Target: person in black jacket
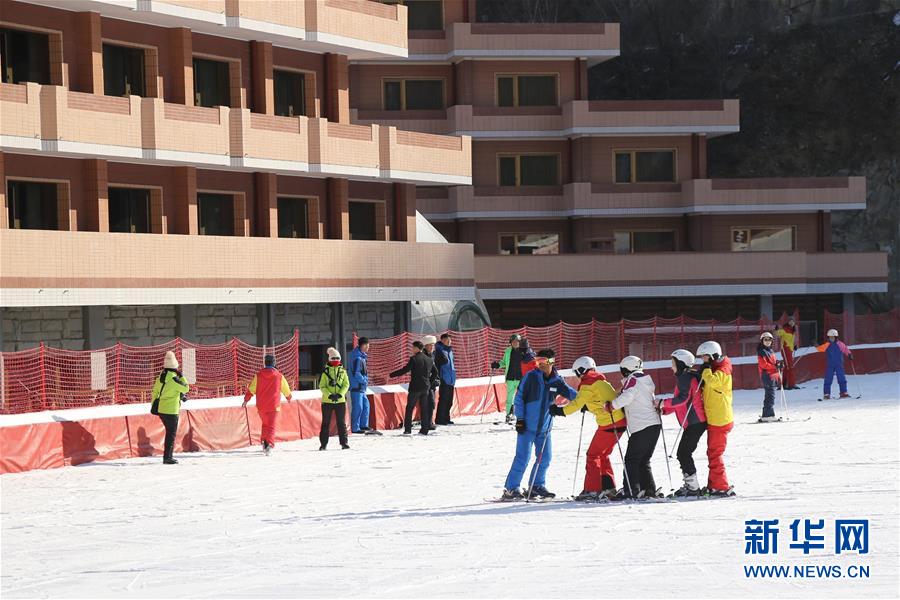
{"x":434,"y":379}
{"x":420,"y":367}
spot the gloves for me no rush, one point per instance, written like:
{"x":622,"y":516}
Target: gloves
{"x":584,"y":408}
{"x":184,"y":397}
{"x":334,"y":396}
{"x":779,"y":365}
{"x":520,"y":426}
{"x":607,"y":406}
{"x":703,"y":366}
{"x":495,"y":365}
{"x":850,"y":358}
{"x":557,"y":411}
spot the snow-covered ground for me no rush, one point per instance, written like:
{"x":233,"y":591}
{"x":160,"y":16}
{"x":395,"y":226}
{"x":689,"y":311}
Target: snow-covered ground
{"x":405,"y":517}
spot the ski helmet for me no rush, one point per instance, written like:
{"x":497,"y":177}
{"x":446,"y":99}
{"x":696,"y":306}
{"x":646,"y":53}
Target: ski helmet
{"x":832,"y":333}
{"x":583,"y":365}
{"x":712,"y":348}
{"x":515,"y":338}
{"x":684,"y":357}
{"x":630,"y":364}
{"x":766,"y":336}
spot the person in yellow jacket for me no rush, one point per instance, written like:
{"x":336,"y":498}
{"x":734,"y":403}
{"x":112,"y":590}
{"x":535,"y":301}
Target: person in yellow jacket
{"x":715,"y":377}
{"x":790,"y":339}
{"x":594,"y":392}
{"x":168,"y":394}
{"x":334,"y":385}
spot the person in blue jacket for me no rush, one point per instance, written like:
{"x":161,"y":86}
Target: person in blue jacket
{"x":359,"y":381}
{"x":536,"y":394}
{"x":835,"y":350}
{"x":443,"y":360}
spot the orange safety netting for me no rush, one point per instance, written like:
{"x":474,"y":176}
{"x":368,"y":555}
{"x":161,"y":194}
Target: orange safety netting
{"x":47,"y":378}
{"x":864,"y":329}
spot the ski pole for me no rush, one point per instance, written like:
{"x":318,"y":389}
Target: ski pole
{"x":619,"y":446}
{"x":483,"y":404}
{"x":537,"y":464}
{"x":578,"y":455}
{"x":662,"y":432}
{"x":856,"y":380}
{"x":783,"y":399}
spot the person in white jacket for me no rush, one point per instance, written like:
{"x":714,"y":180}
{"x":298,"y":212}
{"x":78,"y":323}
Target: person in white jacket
{"x":644,"y":425}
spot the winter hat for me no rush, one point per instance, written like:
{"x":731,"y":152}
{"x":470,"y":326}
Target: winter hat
{"x":334,"y":357}
{"x":429,"y":339}
{"x":269,"y":360}
{"x":515,"y":338}
{"x":170,"y":362}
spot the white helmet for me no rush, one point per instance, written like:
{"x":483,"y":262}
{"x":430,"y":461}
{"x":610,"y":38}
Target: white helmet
{"x":766,"y":336}
{"x":832,"y":333}
{"x":631,"y":364}
{"x":583,"y":365}
{"x":684,"y":356}
{"x":712,"y":348}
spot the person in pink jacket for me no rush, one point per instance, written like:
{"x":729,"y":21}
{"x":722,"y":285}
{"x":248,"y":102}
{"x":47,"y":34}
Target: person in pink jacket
{"x":687,"y":405}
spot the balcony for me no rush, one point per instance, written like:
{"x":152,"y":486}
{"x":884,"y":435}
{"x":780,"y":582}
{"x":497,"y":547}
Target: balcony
{"x":55,"y":120}
{"x":595,"y":41}
{"x":695,"y":196}
{"x":575,"y":118}
{"x":678,"y":274}
{"x":357,"y":28}
{"x":88,"y":268}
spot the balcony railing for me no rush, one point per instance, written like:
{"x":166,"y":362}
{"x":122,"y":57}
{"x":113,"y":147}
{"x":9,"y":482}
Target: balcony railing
{"x":54,"y":119}
{"x":63,"y":268}
{"x":678,"y":274}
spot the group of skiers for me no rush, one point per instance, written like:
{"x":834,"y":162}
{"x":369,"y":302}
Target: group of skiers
{"x":701,"y":402}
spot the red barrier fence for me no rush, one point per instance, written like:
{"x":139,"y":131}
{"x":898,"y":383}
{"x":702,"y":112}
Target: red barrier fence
{"x":46,"y":378}
{"x":607,"y":343}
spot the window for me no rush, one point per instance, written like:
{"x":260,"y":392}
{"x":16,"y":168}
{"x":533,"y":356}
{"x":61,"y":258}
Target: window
{"x":211,"y":83}
{"x":25,"y":56}
{"x":422,"y":14}
{"x":529,"y":243}
{"x":528,"y":169}
{"x":602,"y":246}
{"x":526,"y":90}
{"x":123,"y":71}
{"x":292,"y":218}
{"x":290,"y":94}
{"x":414,"y":94}
{"x":362,"y":221}
{"x":627,"y":242}
{"x":645,"y":166}
{"x":763,"y":239}
{"x":216,"y":214}
{"x":129,"y":210}
{"x":32,"y":205}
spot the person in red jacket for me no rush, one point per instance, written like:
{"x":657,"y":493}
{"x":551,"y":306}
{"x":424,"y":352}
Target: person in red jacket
{"x":269,"y":385}
{"x":769,"y":375}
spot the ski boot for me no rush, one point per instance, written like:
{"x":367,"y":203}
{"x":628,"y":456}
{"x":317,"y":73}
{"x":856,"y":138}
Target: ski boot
{"x":321,"y":448}
{"x":345,"y":446}
{"x":826,"y":397}
{"x":771,"y":419}
{"x":649,"y":494}
{"x":510,"y":419}
{"x":714,"y":493}
{"x":691,"y":487}
{"x":844,"y":395}
{"x":542,"y":492}
{"x":170,"y":461}
{"x":511,"y":495}
{"x":587,"y":496}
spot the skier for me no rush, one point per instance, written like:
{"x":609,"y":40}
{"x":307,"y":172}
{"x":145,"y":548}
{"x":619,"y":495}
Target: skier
{"x":168,"y":394}
{"x":643,"y":424}
{"x":790,"y":340}
{"x":420,"y":367}
{"x":594,"y":391}
{"x":359,"y":381}
{"x":512,"y":365}
{"x":536,"y":393}
{"x":434,"y":378}
{"x":687,"y":404}
{"x":268,"y":385}
{"x":334,"y":385}
{"x":769,"y":375}
{"x":835,"y":350}
{"x":715,"y":377}
{"x":443,"y":360}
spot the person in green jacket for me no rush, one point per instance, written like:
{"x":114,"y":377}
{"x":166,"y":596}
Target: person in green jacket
{"x":168,"y":393}
{"x":334,"y":385}
{"x":511,"y":363}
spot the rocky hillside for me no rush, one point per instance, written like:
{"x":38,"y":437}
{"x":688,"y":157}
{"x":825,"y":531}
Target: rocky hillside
{"x":818,"y":80}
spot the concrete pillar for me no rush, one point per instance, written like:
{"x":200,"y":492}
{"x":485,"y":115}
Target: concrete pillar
{"x":180,"y":87}
{"x":698,"y":156}
{"x":337,"y":88}
{"x":266,"y":187}
{"x":463,"y":82}
{"x":262,"y":78}
{"x":186,"y":214}
{"x":186,"y":321}
{"x":265,"y":316}
{"x":4,"y":209}
{"x":402,"y":317}
{"x":581,"y":79}
{"x":765,"y":307}
{"x":96,"y":195}
{"x":88,"y":53}
{"x":94,"y":327}
{"x":338,"y":328}
{"x":404,"y":212}
{"x":849,"y":332}
{"x":338,"y":209}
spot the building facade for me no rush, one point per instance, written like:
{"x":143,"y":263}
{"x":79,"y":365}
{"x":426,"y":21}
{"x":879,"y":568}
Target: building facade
{"x":584,"y":208}
{"x":190,"y":168}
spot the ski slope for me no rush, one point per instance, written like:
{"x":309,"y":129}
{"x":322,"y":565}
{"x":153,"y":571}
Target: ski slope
{"x":406,"y":517}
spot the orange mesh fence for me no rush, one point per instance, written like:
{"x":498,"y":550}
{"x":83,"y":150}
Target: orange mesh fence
{"x":864,"y":329}
{"x":46,"y":378}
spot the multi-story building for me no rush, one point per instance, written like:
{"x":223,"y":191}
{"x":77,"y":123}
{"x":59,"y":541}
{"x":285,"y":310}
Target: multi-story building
{"x":189,"y":167}
{"x":585,"y":208}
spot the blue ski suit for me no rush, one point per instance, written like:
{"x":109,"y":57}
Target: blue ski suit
{"x":834,"y":364}
{"x":359,"y":381}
